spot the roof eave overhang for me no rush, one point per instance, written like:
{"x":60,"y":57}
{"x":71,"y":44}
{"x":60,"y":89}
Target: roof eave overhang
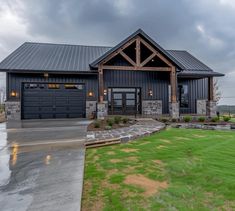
{"x":48,"y":71}
{"x":199,"y":74}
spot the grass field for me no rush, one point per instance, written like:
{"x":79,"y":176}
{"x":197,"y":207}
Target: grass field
{"x":177,"y":169}
{"x":232,"y":120}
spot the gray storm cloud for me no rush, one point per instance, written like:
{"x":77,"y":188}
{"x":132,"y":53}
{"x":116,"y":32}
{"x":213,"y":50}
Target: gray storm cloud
{"x":206,"y":28}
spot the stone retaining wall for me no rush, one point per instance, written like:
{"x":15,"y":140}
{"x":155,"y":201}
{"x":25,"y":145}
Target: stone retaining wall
{"x":202,"y":126}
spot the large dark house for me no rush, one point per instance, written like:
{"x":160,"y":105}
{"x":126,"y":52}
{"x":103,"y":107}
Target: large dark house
{"x":136,"y":77}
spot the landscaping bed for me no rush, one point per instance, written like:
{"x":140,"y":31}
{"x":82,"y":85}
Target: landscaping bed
{"x":111,"y":123}
{"x":177,"y":169}
{"x":201,"y":122}
{"x":2,"y":117}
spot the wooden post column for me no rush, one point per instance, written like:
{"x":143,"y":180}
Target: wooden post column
{"x":138,"y":52}
{"x":173,"y":85}
{"x":210,"y":89}
{"x":101,"y":83}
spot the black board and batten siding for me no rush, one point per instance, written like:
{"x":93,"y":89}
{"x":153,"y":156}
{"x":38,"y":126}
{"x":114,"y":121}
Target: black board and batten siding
{"x":15,"y":80}
{"x":158,"y":82}
{"x":197,"y":90}
{"x":58,"y":96}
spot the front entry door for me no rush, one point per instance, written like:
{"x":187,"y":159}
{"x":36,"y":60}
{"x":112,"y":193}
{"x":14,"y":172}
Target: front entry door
{"x":124,"y":101}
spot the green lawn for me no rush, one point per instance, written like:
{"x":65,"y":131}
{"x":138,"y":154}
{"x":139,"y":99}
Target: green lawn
{"x":176,"y":169}
{"x":232,"y":120}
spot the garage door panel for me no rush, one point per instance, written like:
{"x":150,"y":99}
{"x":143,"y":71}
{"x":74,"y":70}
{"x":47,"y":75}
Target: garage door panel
{"x":46,"y":109}
{"x":46,"y":116}
{"x":61,"y":115}
{"x":31,"y":116}
{"x":32,"y":110}
{"x":53,"y":103}
{"x":61,"y":109}
{"x":46,"y":103}
{"x":31,"y":99}
{"x":75,"y":115}
{"x":32,"y":103}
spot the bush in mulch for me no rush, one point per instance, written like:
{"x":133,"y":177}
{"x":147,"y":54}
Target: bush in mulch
{"x":215,"y":119}
{"x":117,"y":119}
{"x":110,"y":122}
{"x":201,"y":119}
{"x":187,"y":118}
{"x":226,"y":118}
{"x":97,"y":124}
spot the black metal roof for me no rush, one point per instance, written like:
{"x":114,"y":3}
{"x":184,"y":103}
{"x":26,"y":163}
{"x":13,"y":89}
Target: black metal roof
{"x":80,"y":58}
{"x":52,"y":57}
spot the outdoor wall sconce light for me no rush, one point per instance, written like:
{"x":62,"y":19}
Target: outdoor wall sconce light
{"x":13,"y":94}
{"x":46,"y":75}
{"x":105,"y":92}
{"x":150,"y":92}
{"x":90,"y":94}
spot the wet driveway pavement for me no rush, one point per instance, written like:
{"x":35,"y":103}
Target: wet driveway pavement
{"x":40,"y":177}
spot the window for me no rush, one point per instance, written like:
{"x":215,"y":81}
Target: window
{"x":53,"y":86}
{"x":73,"y":86}
{"x":183,"y":96}
{"x":31,"y":86}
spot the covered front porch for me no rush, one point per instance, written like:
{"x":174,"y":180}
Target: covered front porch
{"x":137,"y":79}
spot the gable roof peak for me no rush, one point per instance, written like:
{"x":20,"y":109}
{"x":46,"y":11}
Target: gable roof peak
{"x":95,"y":63}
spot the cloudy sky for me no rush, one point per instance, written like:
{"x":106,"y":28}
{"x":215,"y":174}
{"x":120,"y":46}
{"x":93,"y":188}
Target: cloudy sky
{"x":206,"y":28}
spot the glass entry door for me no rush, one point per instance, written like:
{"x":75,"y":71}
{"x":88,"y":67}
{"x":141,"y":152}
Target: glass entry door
{"x":124,"y":101}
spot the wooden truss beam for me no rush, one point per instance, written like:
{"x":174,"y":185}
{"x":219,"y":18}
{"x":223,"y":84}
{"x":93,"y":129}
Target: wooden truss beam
{"x":128,"y":58}
{"x":101,"y":83}
{"x":138,"y":53}
{"x":110,"y":67}
{"x":173,"y":81}
{"x":210,"y":89}
{"x":118,"y":51}
{"x":157,"y":53}
{"x":148,"y":59}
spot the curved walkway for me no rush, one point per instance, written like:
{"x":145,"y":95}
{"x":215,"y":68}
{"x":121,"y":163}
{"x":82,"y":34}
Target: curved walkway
{"x":143,"y":127}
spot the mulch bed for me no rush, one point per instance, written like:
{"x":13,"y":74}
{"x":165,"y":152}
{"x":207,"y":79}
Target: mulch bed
{"x":2,"y":118}
{"x":103,"y":124}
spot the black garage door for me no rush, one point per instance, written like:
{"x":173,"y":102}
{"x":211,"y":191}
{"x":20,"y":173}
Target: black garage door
{"x":45,"y":101}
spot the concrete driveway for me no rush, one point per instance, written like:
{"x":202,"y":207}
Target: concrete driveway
{"x":41,"y":168}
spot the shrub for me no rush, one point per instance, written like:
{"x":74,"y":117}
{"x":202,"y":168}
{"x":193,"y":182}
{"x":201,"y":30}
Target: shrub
{"x":215,"y":119}
{"x":125,"y":120}
{"x":174,"y":120}
{"x":107,"y":127}
{"x":187,"y":118}
{"x":201,"y":119}
{"x":110,"y":122}
{"x":226,"y":118}
{"x":164,"y":120}
{"x":97,"y":124}
{"x":117,"y":119}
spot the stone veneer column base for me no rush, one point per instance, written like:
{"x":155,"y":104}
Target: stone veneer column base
{"x":102,"y":110}
{"x":201,"y":107}
{"x":13,"y":110}
{"x":90,"y":109}
{"x":174,"y":110}
{"x":151,"y":108}
{"x":211,"y":109}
